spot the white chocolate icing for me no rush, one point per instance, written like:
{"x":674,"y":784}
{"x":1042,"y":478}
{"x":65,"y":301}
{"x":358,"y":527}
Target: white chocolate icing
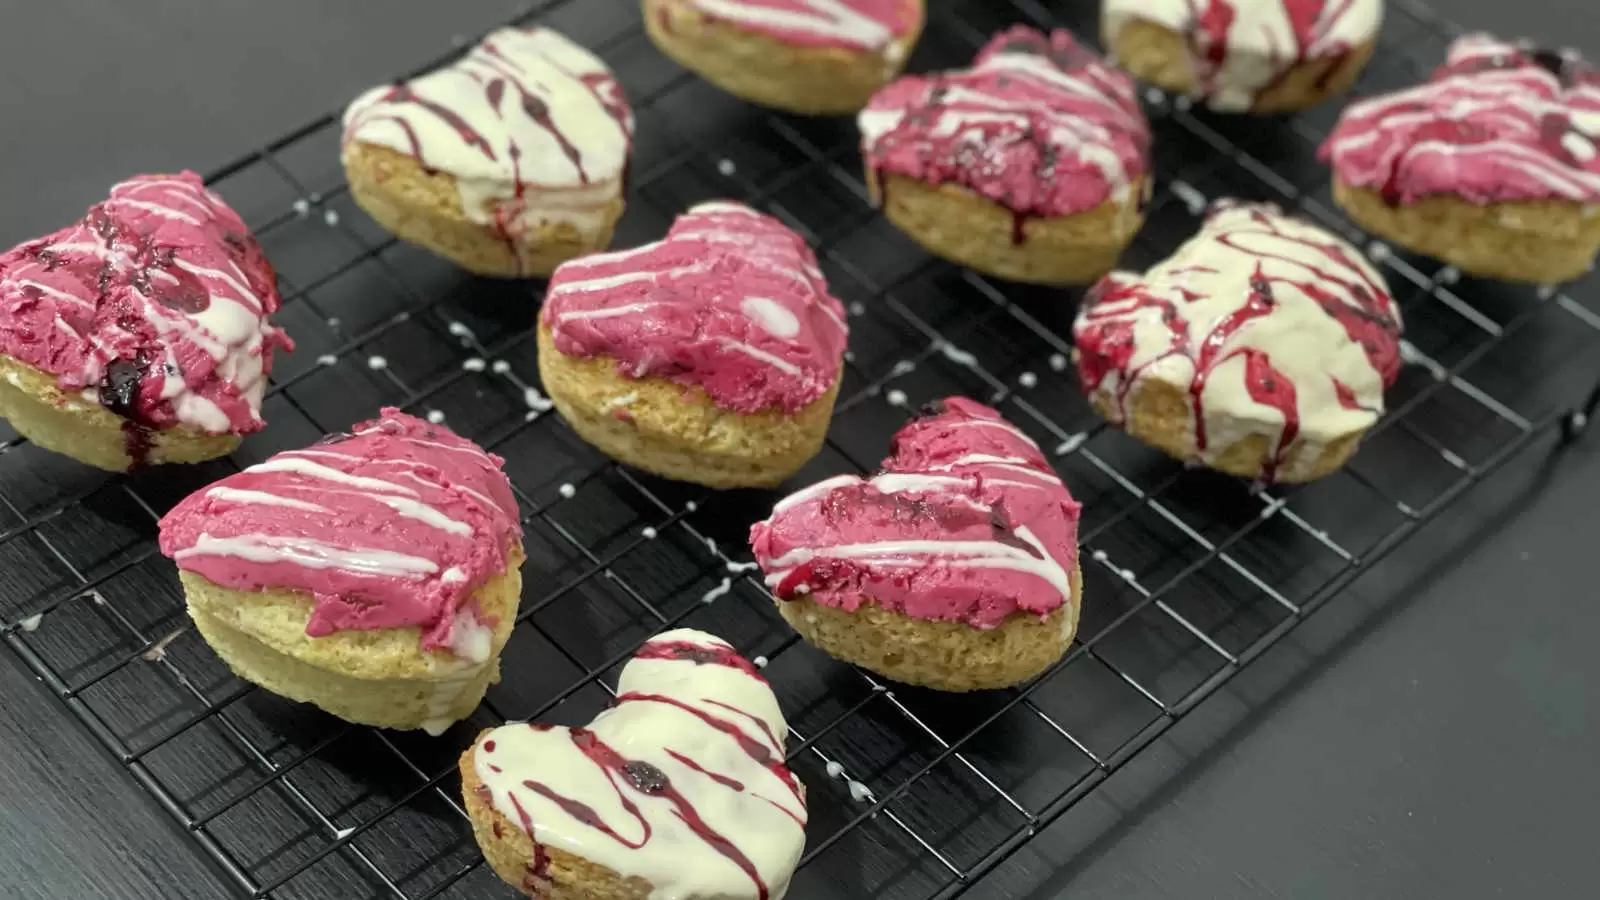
{"x":681,"y":783}
{"x":1262,"y":42}
{"x":1233,"y":319}
{"x":533,"y":127}
{"x":819,"y":21}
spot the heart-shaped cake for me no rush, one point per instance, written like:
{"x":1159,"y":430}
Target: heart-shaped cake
{"x":139,"y":334}
{"x":955,"y":568}
{"x":373,"y":574}
{"x":679,"y":790}
{"x":712,"y":355}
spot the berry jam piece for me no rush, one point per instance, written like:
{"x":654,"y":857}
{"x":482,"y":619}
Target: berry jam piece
{"x":119,"y":388}
{"x":645,"y":777}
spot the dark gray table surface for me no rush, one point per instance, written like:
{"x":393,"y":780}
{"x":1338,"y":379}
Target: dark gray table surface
{"x":1425,"y":736}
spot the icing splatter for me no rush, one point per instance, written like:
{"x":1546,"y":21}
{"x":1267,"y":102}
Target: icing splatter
{"x":1268,"y":324}
{"x":967,"y":523}
{"x":731,"y":301}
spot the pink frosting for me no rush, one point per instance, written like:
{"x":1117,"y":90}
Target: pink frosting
{"x":1040,"y":125}
{"x":1497,"y":122}
{"x":854,"y":24}
{"x":390,"y":526}
{"x":731,"y":302}
{"x":155,"y":303}
{"x":967,"y":523}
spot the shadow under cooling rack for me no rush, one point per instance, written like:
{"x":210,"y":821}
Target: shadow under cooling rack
{"x":913,"y":794}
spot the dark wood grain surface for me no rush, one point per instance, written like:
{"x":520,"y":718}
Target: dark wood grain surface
{"x":1425,"y":736}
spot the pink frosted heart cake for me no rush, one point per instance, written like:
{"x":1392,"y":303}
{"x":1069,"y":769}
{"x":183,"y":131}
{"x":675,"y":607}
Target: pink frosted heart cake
{"x":139,"y":334}
{"x":1031,"y":165}
{"x":374,"y":574}
{"x":711,"y":356}
{"x":955,"y":568}
{"x":679,"y":790}
{"x":1491,"y":165}
{"x":807,"y":56}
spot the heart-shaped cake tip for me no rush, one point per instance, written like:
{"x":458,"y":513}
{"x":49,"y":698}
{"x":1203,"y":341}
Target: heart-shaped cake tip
{"x":139,"y":333}
{"x":955,"y":568}
{"x":710,"y":356}
{"x":679,"y":790}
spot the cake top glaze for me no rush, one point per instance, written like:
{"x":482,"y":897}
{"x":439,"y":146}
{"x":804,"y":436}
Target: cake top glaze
{"x":525,"y":107}
{"x":1040,"y":125}
{"x":681,"y":783}
{"x":852,"y":24}
{"x":155,"y":304}
{"x":1497,"y":122}
{"x":392,"y":525}
{"x":1268,"y":324}
{"x":731,"y":301}
{"x":966,"y":523}
{"x":1242,"y":48}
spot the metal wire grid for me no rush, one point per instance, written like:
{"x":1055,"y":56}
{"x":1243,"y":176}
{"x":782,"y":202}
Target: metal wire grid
{"x":1189,"y":576}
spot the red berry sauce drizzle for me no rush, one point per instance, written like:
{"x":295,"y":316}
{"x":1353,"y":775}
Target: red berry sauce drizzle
{"x":684,"y":779}
{"x":155,"y":304}
{"x":525,"y":108}
{"x":1039,"y":124}
{"x":1498,"y":122}
{"x":1268,"y":324}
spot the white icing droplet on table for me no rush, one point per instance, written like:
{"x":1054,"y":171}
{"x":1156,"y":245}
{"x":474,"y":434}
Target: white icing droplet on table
{"x":772,"y":316}
{"x":1378,"y":251}
{"x":858,"y":309}
{"x":834,"y":770}
{"x":760,"y":662}
{"x":1028,"y":380}
{"x":460,"y":330}
{"x":535,"y":400}
{"x":1449,"y":275}
{"x":1100,"y":556}
{"x":302,"y":207}
{"x":331,"y":217}
{"x":718,"y":591}
{"x":567,"y":491}
{"x":896,"y":398}
{"x":474,"y":364}
{"x":342,"y":833}
{"x":327,"y":359}
{"x":333,"y":322}
{"x":860,"y":792}
{"x":726,"y":167}
{"x":377,"y":363}
{"x":501,"y":367}
{"x":691,"y":506}
{"x":737,"y":567}
{"x":435,"y":416}
{"x":1058,"y":362}
{"x":1154,"y":96}
{"x":849,"y":356}
{"x":31,"y":623}
{"x":903,"y":367}
{"x":649,"y":532}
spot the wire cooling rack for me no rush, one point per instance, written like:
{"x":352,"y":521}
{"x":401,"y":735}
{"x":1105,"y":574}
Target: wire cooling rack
{"x":1188,"y":575}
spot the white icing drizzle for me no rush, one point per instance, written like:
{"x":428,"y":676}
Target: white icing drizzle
{"x":772,"y":315}
{"x":831,"y":20}
{"x":312,"y":554}
{"x":685,"y":760}
{"x":569,"y":141}
{"x":470,"y":638}
{"x":262,"y":498}
{"x":1260,"y":44}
